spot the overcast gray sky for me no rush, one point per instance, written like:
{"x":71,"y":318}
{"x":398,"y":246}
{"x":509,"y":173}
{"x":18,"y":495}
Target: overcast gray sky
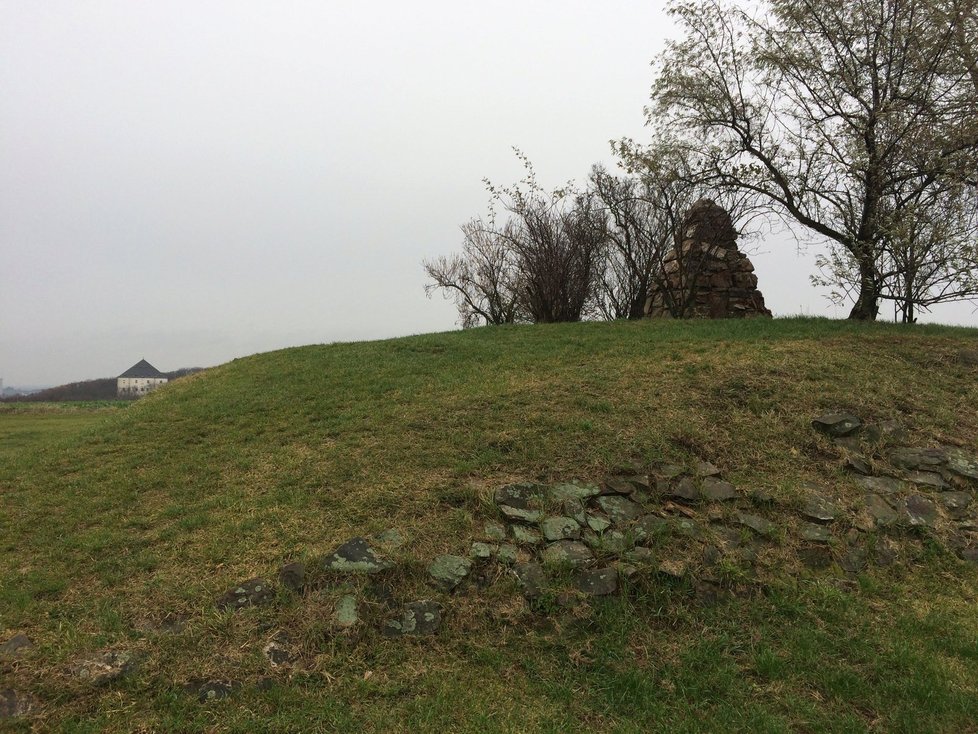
{"x":194,"y":181}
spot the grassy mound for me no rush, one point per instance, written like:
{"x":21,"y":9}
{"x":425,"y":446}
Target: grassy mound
{"x":123,"y":534}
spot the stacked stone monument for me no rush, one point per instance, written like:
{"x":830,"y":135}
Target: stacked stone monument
{"x":707,"y":272}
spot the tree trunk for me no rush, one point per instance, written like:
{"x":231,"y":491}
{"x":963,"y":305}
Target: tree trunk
{"x":867,"y":304}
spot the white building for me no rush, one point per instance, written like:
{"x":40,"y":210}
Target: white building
{"x":138,"y":380}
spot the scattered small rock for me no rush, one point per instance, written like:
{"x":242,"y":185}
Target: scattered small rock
{"x":855,"y":559}
{"x":620,"y":509}
{"x":717,"y":490}
{"x":836,"y":425}
{"x":815,"y":533}
{"x":16,"y":645}
{"x":706,"y":469}
{"x":447,"y":570}
{"x":104,"y":667}
{"x":617,"y":485}
{"x":598,"y":582}
{"x":292,"y":576}
{"x":650,"y":526}
{"x":253,"y":592}
{"x":668,"y":471}
{"x":610,"y":541}
{"x":417,"y":618}
{"x":356,"y":556}
{"x":392,"y":539}
{"x":685,"y":527}
{"x":597,"y":523}
{"x":560,"y":528}
{"x":955,"y":502}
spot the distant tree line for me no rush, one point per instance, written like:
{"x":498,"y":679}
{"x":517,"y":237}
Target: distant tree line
{"x":852,"y":121}
{"x":103,"y":388}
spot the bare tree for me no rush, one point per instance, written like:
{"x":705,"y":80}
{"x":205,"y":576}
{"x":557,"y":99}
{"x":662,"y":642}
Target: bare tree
{"x":483,"y":280}
{"x":836,"y":114}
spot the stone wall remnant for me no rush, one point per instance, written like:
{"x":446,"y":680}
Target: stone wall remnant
{"x":706,"y":276}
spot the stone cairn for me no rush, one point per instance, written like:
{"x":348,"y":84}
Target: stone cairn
{"x":707,"y":271}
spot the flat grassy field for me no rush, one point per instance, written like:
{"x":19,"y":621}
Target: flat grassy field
{"x":119,"y":529}
{"x":28,"y":427}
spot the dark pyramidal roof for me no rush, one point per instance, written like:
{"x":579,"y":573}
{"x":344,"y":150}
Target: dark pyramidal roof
{"x":142,"y":368}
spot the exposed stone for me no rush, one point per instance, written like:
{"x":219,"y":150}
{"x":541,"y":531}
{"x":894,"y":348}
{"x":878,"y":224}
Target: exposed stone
{"x":620,"y":509}
{"x":447,"y":571}
{"x":495,"y":531}
{"x":507,"y":554}
{"x":881,"y":485}
{"x":417,"y":618}
{"x":16,"y":645}
{"x":761,"y":497}
{"x":211,"y":690}
{"x":717,"y":490}
{"x":560,"y":528}
{"x":685,"y":527}
{"x":533,"y":579}
{"x":345,"y":613}
{"x":707,"y":270}
{"x":962,"y":464}
{"x":522,"y":501}
{"x":639,"y":554}
{"x":253,"y":592}
{"x":686,"y":489}
{"x":706,"y":469}
{"x":104,"y":667}
{"x":918,"y":458}
{"x":927,"y":479}
{"x":277,"y":653}
{"x":567,"y":553}
{"x":597,"y":582}
{"x":836,"y":425}
{"x":292,"y":576}
{"x":919,"y":511}
{"x":756,"y":523}
{"x":573,"y":491}
{"x":879,"y":510}
{"x":667,"y":471}
{"x":526,"y":535}
{"x":819,"y":508}
{"x":610,"y":541}
{"x":356,"y":556}
{"x":15,"y":704}
{"x":859,"y":465}
{"x":480,"y":551}
{"x":885,"y":553}
{"x":955,"y":502}
{"x":597,"y":523}
{"x":815,"y":533}
{"x":617,"y":485}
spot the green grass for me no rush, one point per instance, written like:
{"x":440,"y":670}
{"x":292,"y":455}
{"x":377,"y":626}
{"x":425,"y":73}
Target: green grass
{"x":27,"y":427}
{"x":111,"y":520}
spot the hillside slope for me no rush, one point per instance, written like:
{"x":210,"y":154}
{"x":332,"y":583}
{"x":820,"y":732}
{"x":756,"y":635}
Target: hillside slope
{"x":122,"y":539}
